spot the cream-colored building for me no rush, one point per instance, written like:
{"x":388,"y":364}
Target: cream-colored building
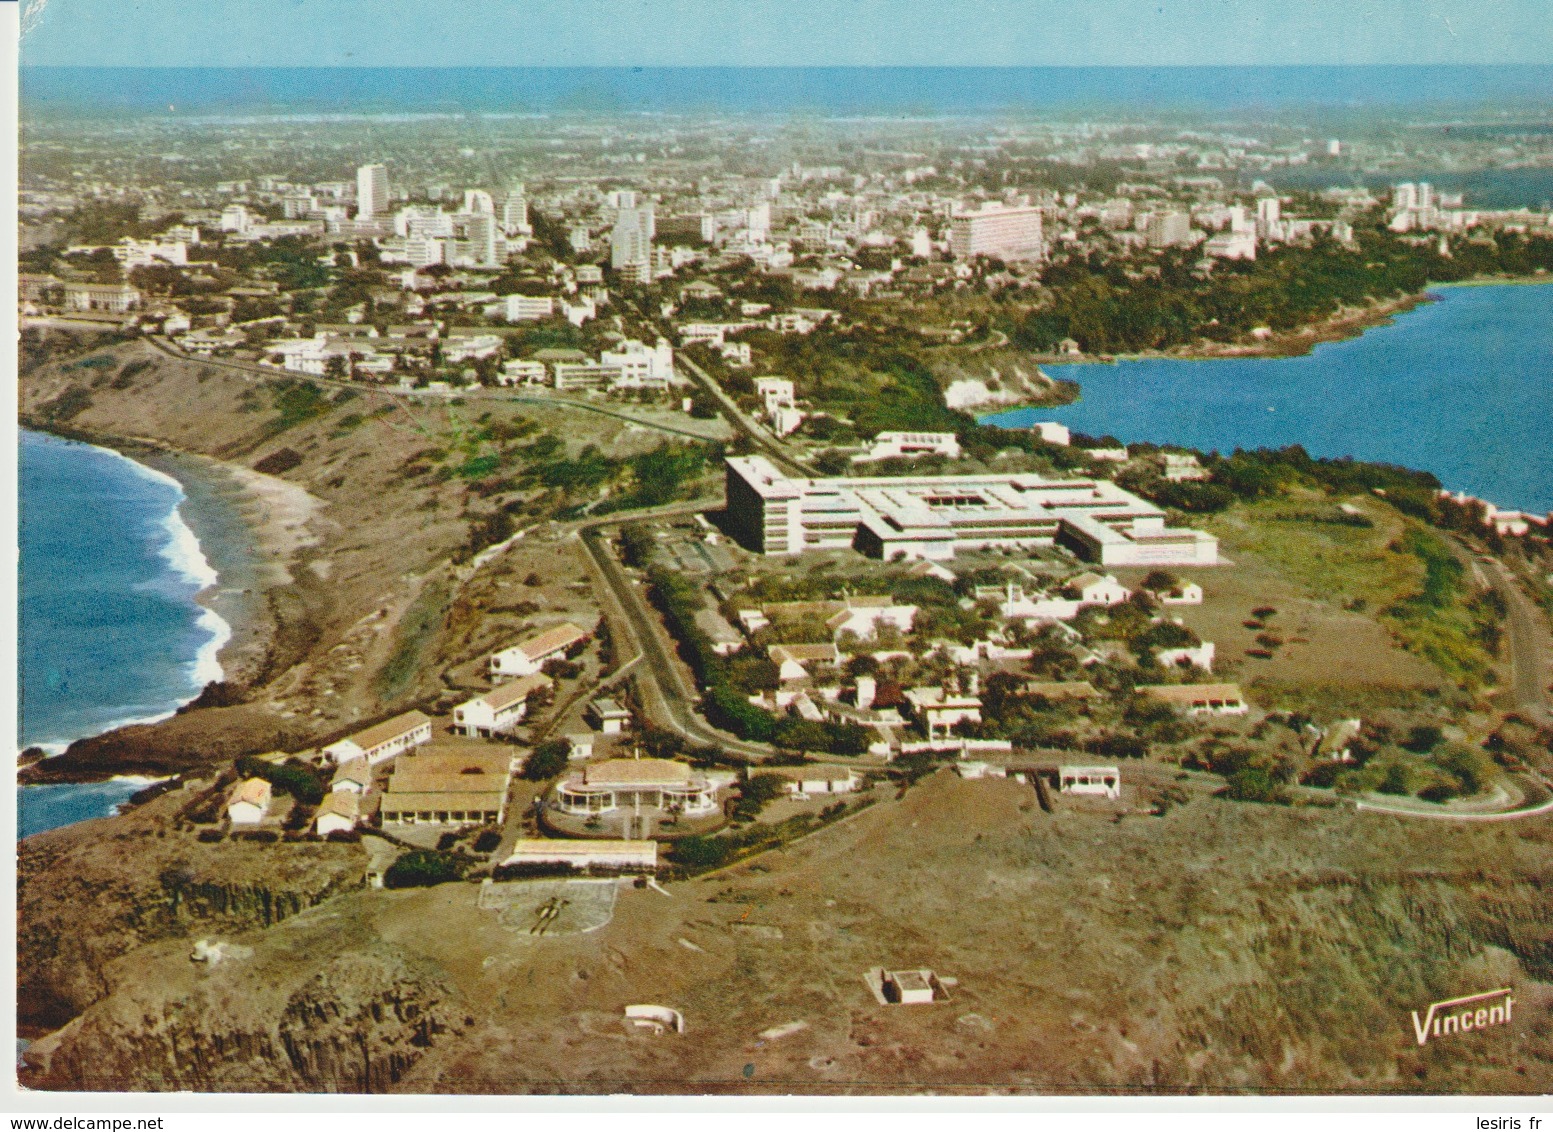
{"x":616,"y":783}
{"x":499,"y":710}
{"x":248,"y":802}
{"x":383,"y":740}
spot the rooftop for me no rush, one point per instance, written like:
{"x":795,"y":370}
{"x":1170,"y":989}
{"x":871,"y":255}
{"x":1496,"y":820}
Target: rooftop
{"x":389,"y":729}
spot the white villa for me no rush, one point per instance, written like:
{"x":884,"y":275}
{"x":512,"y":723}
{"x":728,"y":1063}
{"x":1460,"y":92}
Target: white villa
{"x":659,"y":783}
{"x":526,"y":657}
{"x":383,"y":740}
{"x":940,"y":710}
{"x":499,"y":710}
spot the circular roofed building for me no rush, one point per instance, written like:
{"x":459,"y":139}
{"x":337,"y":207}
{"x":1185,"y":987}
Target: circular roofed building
{"x":635,"y":798}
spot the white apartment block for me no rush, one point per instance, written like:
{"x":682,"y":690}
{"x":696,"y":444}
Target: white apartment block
{"x":527,"y":308}
{"x":904,"y":445}
{"x":371,"y":191}
{"x":931,"y":517}
{"x":134,"y":253}
{"x":1004,"y":231}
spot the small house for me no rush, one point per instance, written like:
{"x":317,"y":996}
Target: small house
{"x":353,"y":777}
{"x":1103,"y":781}
{"x":609,"y":716}
{"x":909,"y":988}
{"x":339,"y":811}
{"x":248,"y":802}
{"x":807,"y":781}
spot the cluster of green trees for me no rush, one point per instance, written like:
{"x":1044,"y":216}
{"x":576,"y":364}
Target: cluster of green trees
{"x":420,"y":868}
{"x":1111,"y":304}
{"x":725,"y":705}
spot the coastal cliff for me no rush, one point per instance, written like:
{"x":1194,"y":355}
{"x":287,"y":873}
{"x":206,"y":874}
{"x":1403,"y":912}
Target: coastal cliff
{"x":92,"y":892}
{"x":347,"y":532}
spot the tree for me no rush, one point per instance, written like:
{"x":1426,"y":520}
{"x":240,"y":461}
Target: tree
{"x":422,"y":867}
{"x":548,"y":760}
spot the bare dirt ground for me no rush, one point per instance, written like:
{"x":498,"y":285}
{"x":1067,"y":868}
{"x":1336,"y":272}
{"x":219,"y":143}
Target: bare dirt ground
{"x":1223,"y":946}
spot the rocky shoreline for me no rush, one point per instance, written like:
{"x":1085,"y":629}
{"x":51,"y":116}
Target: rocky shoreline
{"x":251,"y":528}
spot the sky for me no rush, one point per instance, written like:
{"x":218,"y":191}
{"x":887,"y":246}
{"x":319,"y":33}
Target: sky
{"x":397,"y":33}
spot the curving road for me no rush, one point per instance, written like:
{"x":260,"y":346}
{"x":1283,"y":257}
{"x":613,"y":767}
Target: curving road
{"x":1529,"y":644}
{"x":667,"y":697}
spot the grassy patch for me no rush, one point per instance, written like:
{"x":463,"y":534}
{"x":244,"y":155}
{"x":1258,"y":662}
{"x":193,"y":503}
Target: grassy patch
{"x":416,"y":629}
{"x":1401,"y":571}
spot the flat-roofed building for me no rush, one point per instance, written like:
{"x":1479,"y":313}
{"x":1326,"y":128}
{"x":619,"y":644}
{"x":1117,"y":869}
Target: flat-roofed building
{"x":931,"y":517}
{"x":938,"y":709}
{"x":998,"y":230}
{"x":499,"y":710}
{"x":1199,"y":699}
{"x":526,"y":657}
{"x":658,"y":783}
{"x":1104,"y":781}
{"x":592,"y":853}
{"x":453,"y":785}
{"x":109,"y":298}
{"x":383,"y":740}
{"x":609,"y":715}
{"x":905,"y":445}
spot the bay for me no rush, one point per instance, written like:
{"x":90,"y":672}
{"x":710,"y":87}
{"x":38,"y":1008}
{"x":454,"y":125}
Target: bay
{"x":1461,"y":387}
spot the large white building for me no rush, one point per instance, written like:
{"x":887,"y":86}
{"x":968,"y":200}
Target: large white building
{"x":371,"y":191}
{"x":630,"y":241}
{"x":932,"y":517}
{"x":1007,"y":232}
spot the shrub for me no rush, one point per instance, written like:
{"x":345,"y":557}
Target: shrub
{"x":279,"y":461}
{"x":421,"y":868}
{"x":210,"y":836}
{"x":1254,"y":784}
{"x":487,"y":841}
{"x":547,"y":761}
{"x":701,"y":852}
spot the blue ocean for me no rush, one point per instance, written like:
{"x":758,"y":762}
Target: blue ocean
{"x":110,"y":630}
{"x":1461,"y":387}
{"x":832,"y":91}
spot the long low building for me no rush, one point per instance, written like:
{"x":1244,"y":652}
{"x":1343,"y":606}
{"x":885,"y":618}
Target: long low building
{"x":931,"y":517}
{"x":585,"y":854}
{"x":383,"y":740}
{"x":453,"y":785}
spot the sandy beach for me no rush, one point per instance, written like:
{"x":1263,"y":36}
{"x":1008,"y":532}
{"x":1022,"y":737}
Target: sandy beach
{"x":252,"y":529}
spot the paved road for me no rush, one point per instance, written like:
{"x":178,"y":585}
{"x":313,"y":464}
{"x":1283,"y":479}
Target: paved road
{"x":668,"y":699}
{"x":1529,"y":644}
{"x":760,"y":436}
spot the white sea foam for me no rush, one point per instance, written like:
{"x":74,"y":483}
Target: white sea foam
{"x":186,"y":558}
